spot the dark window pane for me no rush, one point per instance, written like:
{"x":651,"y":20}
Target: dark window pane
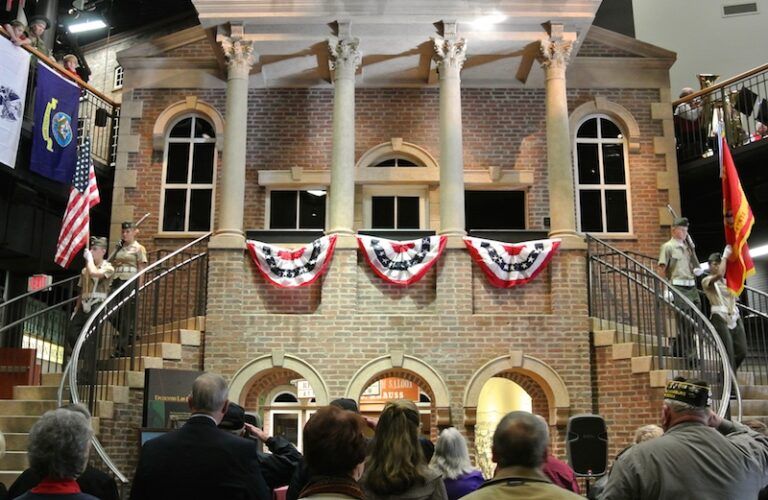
{"x":588,"y":129}
{"x":287,"y":426}
{"x":387,"y":163}
{"x":200,"y":210}
{"x":613,"y":163}
{"x":408,"y":212}
{"x":286,"y":398}
{"x":312,"y":209}
{"x":402,"y":162}
{"x":178,"y":163}
{"x":495,"y":209}
{"x":173,"y":210}
{"x":589,"y":168}
{"x":616,"y":211}
{"x":591,"y":211}
{"x":183,"y":128}
{"x":202,"y":163}
{"x":383,"y":212}
{"x":282,"y":210}
{"x":608,"y":129}
{"x":204,"y":129}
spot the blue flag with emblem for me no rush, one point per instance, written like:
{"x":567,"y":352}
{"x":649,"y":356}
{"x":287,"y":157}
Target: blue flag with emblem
{"x":54,"y":135}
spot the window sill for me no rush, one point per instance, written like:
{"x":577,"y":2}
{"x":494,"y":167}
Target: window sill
{"x":179,"y":235}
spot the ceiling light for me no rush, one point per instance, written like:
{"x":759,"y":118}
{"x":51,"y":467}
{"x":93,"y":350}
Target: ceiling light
{"x":758,"y":251}
{"x":87,"y":24}
{"x":489,"y":20}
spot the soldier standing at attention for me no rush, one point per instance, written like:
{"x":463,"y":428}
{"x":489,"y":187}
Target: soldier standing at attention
{"x":37,"y":26}
{"x":131,"y":257}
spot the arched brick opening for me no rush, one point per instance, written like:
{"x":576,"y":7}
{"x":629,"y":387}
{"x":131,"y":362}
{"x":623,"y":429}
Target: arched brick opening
{"x":261,"y":386}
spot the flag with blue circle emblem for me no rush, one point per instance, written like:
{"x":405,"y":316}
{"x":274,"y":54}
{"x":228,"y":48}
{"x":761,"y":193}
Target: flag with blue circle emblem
{"x":54,"y":135}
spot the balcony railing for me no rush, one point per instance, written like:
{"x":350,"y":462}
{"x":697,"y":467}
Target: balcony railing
{"x":98,"y":115}
{"x":742,"y":104}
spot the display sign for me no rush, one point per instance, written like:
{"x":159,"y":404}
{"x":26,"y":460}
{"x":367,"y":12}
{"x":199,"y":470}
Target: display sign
{"x":165,"y":397}
{"x":387,"y":389}
{"x":304,"y":389}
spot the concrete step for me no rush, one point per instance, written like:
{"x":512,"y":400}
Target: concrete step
{"x":51,"y":379}
{"x":20,"y":407}
{"x":624,"y":350}
{"x":14,"y":460}
{"x":140,"y":363}
{"x":193,"y":323}
{"x":754,"y":407}
{"x":754,"y":391}
{"x":133,"y":379}
{"x":7,"y":477}
{"x":16,"y":441}
{"x":38,"y":392}
{"x":22,"y":424}
{"x":603,"y":324}
{"x":183,"y":336}
{"x":645,"y":364}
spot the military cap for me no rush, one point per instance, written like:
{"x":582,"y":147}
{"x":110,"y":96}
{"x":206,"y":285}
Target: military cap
{"x":693,"y":392}
{"x":40,"y":20}
{"x":346,"y":404}
{"x":234,"y":419}
{"x":128,"y":225}
{"x":715,"y":257}
{"x":253,"y":419}
{"x":97,"y":241}
{"x":681,"y":222}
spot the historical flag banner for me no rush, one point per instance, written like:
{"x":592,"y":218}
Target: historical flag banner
{"x":83,"y":195}
{"x":14,"y":69}
{"x":738,"y":221}
{"x":401,"y":262}
{"x":54,"y":134}
{"x":511,"y":264}
{"x":292,"y":268}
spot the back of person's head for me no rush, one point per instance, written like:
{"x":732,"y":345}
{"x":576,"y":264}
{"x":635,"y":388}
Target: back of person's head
{"x":209,"y":393}
{"x":757,"y":426}
{"x":78,"y":408}
{"x":451,"y":457}
{"x":647,"y":432}
{"x":396,"y":462}
{"x":521,"y":440}
{"x":427,"y":448}
{"x":334,"y":443}
{"x":345,"y":404}
{"x":59,"y":444}
{"x":685,"y":91}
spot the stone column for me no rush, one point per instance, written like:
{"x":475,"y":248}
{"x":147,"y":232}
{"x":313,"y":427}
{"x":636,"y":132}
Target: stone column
{"x":345,"y":59}
{"x":450,"y":53}
{"x":231,"y":190}
{"x":554,"y":58}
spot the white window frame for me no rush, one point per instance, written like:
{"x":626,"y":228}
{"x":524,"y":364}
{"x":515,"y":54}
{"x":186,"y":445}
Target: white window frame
{"x":279,"y":411}
{"x":422,"y":192}
{"x":268,"y":208}
{"x":602,"y":186}
{"x":118,"y":76}
{"x":188,"y":186}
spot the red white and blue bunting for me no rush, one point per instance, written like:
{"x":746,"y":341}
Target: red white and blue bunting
{"x":401,"y":262}
{"x":511,"y":264}
{"x":292,"y":268}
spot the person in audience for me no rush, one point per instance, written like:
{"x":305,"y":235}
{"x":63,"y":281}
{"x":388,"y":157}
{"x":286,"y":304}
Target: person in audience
{"x":18,"y":32}
{"x":278,"y":465}
{"x":559,"y":472}
{"x":71,"y":64}
{"x":519,"y":446}
{"x":129,"y":259}
{"x":92,"y":481}
{"x":334,"y":447}
{"x":59,"y":444}
{"x":451,"y":460}
{"x":427,"y":448}
{"x":700,"y":456}
{"x":690,"y":110}
{"x":37,"y":26}
{"x":395,"y":468}
{"x":199,"y":461}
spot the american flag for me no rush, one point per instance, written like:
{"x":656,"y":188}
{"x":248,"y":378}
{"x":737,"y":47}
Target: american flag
{"x":83,"y":195}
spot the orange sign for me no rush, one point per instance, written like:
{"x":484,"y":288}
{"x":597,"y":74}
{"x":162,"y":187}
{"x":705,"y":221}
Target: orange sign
{"x":388,"y":389}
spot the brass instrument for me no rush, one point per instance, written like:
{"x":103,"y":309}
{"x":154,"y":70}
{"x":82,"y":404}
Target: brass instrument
{"x":707,"y":80}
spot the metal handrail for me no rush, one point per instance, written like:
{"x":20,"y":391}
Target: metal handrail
{"x":71,"y":374}
{"x":10,"y":301}
{"x":696,"y":318}
{"x":38,"y":313}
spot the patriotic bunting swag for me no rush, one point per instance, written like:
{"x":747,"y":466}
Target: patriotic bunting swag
{"x":292,"y":268}
{"x":511,"y":264}
{"x":401,"y":262}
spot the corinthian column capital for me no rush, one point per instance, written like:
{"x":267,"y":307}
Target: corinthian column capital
{"x":555,"y":53}
{"x":239,"y":54}
{"x":450,"y":54}
{"x":345,"y":56}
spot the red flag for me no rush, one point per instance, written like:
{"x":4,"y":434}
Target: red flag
{"x":738,"y":220}
{"x":83,"y":195}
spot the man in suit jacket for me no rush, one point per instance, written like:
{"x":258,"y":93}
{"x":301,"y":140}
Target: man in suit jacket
{"x":200,"y":461}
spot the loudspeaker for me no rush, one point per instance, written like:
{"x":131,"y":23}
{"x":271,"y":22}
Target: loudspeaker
{"x":587,"y":445}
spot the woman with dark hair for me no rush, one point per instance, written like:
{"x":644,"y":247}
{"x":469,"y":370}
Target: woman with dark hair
{"x":451,"y":459}
{"x":334,"y":450}
{"x":396,"y":468}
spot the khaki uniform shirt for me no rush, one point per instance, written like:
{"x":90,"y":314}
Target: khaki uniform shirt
{"x":38,"y":44}
{"x":679,"y":262}
{"x":127,"y":260}
{"x":721,"y":300}
{"x":93,"y":290}
{"x":520,"y":483}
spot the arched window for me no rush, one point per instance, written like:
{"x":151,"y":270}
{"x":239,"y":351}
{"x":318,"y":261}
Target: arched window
{"x":602,"y":177}
{"x":189,"y":172}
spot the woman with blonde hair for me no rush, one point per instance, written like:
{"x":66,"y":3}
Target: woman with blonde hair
{"x":451,"y":459}
{"x":396,"y":468}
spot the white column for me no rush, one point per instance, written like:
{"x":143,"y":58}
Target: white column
{"x":554,"y":58}
{"x":345,"y":59}
{"x":450,"y":54}
{"x":231,"y":190}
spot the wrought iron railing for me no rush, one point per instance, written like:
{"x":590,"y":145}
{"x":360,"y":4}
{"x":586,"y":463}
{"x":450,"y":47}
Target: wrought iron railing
{"x":134,"y":319}
{"x":628,"y":297}
{"x":742,"y":104}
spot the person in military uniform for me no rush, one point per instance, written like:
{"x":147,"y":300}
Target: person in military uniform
{"x":723,"y":311}
{"x":130,"y":258}
{"x":679,"y":265}
{"x":37,"y":26}
{"x":700,"y":456}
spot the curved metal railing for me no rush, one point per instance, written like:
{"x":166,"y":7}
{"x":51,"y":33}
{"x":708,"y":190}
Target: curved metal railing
{"x":160,"y":298}
{"x":627,"y":296}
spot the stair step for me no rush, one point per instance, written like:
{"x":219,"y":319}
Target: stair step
{"x":51,"y":379}
{"x":140,"y":363}
{"x":16,"y":423}
{"x":597,"y":324}
{"x":624,"y":350}
{"x":754,"y":407}
{"x":21,"y":407}
{"x":603,"y":338}
{"x":645,"y":364}
{"x":8,"y":477}
{"x":38,"y":392}
{"x":183,"y":336}
{"x":14,"y":460}
{"x":193,"y":323}
{"x":16,"y":441}
{"x":754,"y":391}
{"x":133,"y":379}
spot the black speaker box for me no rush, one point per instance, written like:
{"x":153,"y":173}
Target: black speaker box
{"x":587,"y":445}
